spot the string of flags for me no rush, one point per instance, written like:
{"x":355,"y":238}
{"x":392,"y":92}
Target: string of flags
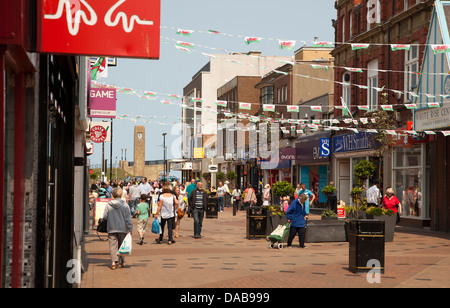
{"x":290,"y":44}
{"x":292,"y":125}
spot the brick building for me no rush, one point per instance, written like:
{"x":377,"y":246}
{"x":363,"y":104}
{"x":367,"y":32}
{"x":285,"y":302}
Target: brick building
{"x":384,"y":70}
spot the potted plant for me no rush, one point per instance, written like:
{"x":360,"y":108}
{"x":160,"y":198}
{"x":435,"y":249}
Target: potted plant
{"x":329,"y":214}
{"x":282,"y":189}
{"x":328,"y":190}
{"x":378,"y":213}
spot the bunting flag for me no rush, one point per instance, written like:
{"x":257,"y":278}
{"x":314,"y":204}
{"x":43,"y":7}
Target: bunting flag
{"x":184,"y":32}
{"x":411,"y":106}
{"x":197,"y":100}
{"x":252,"y":39}
{"x":316,"y":108}
{"x":268,"y":107}
{"x":286,"y":44}
{"x":292,"y":108}
{"x":446,"y":133}
{"x":221,"y":103}
{"x":214,"y":32}
{"x":185,"y":44}
{"x":353,"y":69}
{"x":429,"y":132}
{"x":183,"y":49}
{"x":437,"y":49}
{"x":387,"y":107}
{"x":149,"y":94}
{"x":434,"y":105}
{"x":360,"y":46}
{"x":320,"y":66}
{"x":323,"y":44}
{"x":100,"y":69}
{"x":395,"y":47}
{"x":246,"y":106}
{"x":365,"y":107}
{"x":174,"y":96}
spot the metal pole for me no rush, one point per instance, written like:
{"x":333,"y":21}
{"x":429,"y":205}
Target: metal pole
{"x":110,"y":154}
{"x":164,"y":149}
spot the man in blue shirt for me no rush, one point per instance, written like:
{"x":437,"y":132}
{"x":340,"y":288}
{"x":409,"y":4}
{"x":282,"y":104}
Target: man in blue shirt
{"x":308,"y":194}
{"x":296,"y":215}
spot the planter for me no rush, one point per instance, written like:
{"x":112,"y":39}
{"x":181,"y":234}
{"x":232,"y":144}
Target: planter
{"x":389,"y":225}
{"x":329,"y":218}
{"x":325,"y":231}
{"x":359,"y":215}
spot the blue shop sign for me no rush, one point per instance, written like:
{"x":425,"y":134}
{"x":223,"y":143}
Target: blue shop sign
{"x":352,"y":142}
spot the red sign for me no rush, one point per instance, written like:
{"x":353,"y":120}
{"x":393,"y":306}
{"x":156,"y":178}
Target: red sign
{"x":116,"y":28}
{"x":98,"y":134}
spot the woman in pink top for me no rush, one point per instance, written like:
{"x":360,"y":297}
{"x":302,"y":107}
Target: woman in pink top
{"x":391,"y":202}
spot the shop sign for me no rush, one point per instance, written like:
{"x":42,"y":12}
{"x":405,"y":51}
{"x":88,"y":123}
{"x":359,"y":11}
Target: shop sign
{"x":309,"y":151}
{"x":102,"y":103}
{"x":324,"y":147}
{"x":287,"y":154}
{"x":98,"y":134}
{"x":432,"y":118}
{"x":115,"y":28}
{"x":352,"y":142}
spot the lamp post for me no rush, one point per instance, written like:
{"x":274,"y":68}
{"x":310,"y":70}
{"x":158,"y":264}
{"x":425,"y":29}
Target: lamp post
{"x":164,"y":150}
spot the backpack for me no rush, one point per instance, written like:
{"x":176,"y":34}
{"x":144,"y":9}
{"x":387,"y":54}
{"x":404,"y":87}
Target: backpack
{"x":102,"y":192}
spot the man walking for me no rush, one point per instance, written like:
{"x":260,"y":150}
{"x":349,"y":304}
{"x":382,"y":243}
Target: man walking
{"x":373,"y":194}
{"x":198,"y":201}
{"x":296,"y":215}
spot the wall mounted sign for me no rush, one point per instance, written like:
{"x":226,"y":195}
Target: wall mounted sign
{"x":116,"y":28}
{"x":102,"y":103}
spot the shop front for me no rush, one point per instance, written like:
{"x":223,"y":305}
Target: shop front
{"x":347,"y":151}
{"x":312,"y":164}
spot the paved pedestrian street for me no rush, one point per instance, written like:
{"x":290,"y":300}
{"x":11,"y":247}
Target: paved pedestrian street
{"x":225,"y":258}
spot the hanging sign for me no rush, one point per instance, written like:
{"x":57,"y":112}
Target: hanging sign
{"x":102,"y":103}
{"x":116,"y":28}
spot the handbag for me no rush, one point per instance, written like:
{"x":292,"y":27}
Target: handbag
{"x":102,"y":225}
{"x":155,"y":226}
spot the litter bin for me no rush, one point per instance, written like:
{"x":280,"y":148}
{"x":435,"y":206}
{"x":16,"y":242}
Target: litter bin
{"x":256,"y":222}
{"x":212,"y":208}
{"x":366,"y":243}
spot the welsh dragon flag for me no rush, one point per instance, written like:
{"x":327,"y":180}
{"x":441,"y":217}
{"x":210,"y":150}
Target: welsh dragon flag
{"x":100,"y":69}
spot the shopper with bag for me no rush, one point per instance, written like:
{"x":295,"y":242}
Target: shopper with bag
{"x":250,"y":196}
{"x":182,"y":204}
{"x":117,"y":214}
{"x":167,"y":207}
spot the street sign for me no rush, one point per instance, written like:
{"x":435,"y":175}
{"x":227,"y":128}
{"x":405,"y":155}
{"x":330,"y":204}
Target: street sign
{"x":98,"y":134}
{"x":116,"y":28}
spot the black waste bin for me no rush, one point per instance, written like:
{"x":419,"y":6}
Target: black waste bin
{"x":366,"y":243}
{"x":212,"y":208}
{"x":256,"y":222}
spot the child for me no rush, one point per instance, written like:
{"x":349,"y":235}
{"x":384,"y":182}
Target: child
{"x":285,"y":204}
{"x":142,"y":212}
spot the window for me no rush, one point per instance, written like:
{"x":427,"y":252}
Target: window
{"x":406,"y":4}
{"x":372,"y":83}
{"x":343,"y":28}
{"x":411,"y":65}
{"x":350,"y":32}
{"x":267,"y":95}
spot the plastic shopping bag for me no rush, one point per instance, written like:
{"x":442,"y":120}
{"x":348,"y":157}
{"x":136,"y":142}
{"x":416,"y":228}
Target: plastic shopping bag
{"x":156,"y":226}
{"x":125,"y":248}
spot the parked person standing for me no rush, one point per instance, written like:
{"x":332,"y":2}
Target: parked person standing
{"x":118,"y":215}
{"x":198,"y":202}
{"x":391,"y":202}
{"x":134,"y":195}
{"x":220,"y":196}
{"x":267,"y":196}
{"x":373,"y":194}
{"x":309,"y":196}
{"x":167,"y":207}
{"x":142,"y":211}
{"x":296,"y":215}
{"x":182,"y":203}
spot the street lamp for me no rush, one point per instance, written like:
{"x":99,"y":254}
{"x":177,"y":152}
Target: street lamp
{"x":164,"y":150}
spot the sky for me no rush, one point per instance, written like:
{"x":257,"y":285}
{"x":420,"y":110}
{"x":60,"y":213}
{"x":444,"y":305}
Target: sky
{"x":300,"y":20}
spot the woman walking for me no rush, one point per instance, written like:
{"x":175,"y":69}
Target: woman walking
{"x":167,"y":207}
{"x":117,"y":214}
{"x":182,"y":202}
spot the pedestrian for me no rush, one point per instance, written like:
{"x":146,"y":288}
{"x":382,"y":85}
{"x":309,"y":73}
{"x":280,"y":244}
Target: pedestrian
{"x":296,"y":215}
{"x":198,"y":202}
{"x":391,"y":202}
{"x":134,"y":195}
{"x":167,"y":207}
{"x":250,"y":196}
{"x":220,"y":196}
{"x":236,"y":199}
{"x":124,"y":192}
{"x":102,"y":192}
{"x":117,"y":214}
{"x":310,"y":196}
{"x":189,"y":189}
{"x":373,"y":194}
{"x":142,"y":210}
{"x":226,"y":196}
{"x":267,"y":196}
{"x":145,"y":187}
{"x":108,"y":190}
{"x":182,"y":204}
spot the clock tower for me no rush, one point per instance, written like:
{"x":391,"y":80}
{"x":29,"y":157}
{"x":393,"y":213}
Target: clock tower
{"x":139,"y":150}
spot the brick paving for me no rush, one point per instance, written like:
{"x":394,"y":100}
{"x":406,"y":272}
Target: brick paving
{"x":225,"y":258}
